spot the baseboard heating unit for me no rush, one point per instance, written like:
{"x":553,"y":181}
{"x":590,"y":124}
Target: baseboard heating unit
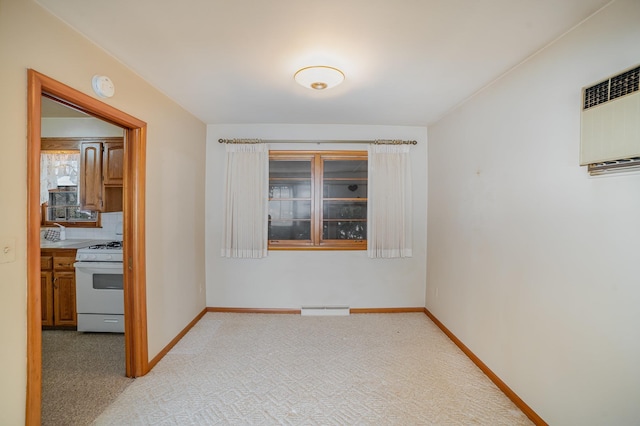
{"x":324,"y":310}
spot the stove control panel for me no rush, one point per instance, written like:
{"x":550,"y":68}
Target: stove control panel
{"x":101,"y":257}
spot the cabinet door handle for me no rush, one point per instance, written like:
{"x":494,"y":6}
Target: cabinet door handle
{"x":55,"y":285}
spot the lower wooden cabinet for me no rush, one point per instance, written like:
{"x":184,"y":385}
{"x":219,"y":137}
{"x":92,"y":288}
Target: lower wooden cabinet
{"x":58,"y":288}
{"x":46,"y":296}
{"x":64,"y":298}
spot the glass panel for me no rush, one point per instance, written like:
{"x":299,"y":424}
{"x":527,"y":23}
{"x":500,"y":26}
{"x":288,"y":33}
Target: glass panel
{"x":289,"y":169}
{"x":290,"y":230}
{"x":344,"y":230}
{"x":345,"y":189}
{"x":344,"y":210}
{"x":346,"y":169}
{"x":283,"y":188}
{"x":59,"y":197}
{"x":108,"y":281}
{"x":287,"y":210}
{"x":56,"y":213}
{"x":60,"y":169}
{"x":70,"y":214}
{"x":75,"y":214}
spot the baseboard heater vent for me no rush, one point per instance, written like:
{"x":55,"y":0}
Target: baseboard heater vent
{"x":324,"y":310}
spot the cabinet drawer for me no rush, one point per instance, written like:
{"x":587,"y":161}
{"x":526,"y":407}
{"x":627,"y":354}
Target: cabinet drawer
{"x":46,"y":262}
{"x":63,"y":263}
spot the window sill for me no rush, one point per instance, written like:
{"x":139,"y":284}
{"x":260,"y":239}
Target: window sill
{"x":359,"y":246}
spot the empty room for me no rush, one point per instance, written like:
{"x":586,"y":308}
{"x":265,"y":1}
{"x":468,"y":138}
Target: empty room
{"x":360,"y":212}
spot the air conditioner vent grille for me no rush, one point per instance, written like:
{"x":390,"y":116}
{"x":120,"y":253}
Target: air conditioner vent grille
{"x":596,"y":95}
{"x":615,"y":87}
{"x":625,"y":83}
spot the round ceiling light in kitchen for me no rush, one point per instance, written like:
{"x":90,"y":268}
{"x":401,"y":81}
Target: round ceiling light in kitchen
{"x":319,"y":77}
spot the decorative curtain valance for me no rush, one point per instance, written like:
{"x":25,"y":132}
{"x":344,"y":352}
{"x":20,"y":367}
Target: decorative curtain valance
{"x":389,"y":202}
{"x":246,"y":200}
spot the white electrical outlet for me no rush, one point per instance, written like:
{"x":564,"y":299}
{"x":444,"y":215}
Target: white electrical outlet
{"x":7,"y":250}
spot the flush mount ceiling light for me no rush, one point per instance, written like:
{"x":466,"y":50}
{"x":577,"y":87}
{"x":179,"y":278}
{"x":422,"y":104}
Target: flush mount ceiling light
{"x":319,"y":77}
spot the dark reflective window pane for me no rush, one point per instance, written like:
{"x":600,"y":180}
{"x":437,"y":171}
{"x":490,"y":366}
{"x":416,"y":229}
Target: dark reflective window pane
{"x":283,"y":188}
{"x":290,"y":230}
{"x":347,"y":169}
{"x":342,"y":197}
{"x":287,"y":210}
{"x":344,"y":230}
{"x":345,"y":189}
{"x":289,"y":169}
{"x":344,"y":210}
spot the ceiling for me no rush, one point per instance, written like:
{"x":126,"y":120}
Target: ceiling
{"x":53,"y":109}
{"x":407,"y":62}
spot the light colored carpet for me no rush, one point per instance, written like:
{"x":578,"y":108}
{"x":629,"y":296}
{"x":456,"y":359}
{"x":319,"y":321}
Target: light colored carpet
{"x":82,"y":373}
{"x":266,"y":369}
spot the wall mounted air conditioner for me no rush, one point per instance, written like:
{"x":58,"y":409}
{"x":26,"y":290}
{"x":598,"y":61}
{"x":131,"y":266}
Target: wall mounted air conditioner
{"x":610,"y":128}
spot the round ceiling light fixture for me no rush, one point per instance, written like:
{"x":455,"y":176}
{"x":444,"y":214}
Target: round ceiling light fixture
{"x":319,"y":77}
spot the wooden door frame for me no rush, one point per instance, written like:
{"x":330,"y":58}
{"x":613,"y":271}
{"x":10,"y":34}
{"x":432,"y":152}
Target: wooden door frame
{"x":135,"y":305}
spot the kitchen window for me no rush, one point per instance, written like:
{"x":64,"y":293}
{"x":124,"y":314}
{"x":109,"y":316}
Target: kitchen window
{"x":318,"y":200}
{"x":59,"y":186}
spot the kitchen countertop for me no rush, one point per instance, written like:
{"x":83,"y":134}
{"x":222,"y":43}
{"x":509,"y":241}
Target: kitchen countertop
{"x":69,"y":243}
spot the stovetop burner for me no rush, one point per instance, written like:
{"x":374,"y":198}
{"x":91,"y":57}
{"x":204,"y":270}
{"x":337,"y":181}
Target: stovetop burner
{"x":110,"y":251}
{"x":106,"y":246}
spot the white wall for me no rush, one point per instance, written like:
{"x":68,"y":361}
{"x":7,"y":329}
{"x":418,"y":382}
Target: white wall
{"x":291,"y":279}
{"x":32,"y":38}
{"x":78,"y":128}
{"x":532,"y":263}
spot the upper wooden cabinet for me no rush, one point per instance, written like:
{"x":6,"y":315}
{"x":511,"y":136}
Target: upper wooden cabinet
{"x":112,"y":163}
{"x":102,"y":169}
{"x":91,"y":175}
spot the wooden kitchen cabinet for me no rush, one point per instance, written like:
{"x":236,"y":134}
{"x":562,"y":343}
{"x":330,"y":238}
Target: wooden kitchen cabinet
{"x":91,"y":176}
{"x":112,"y":175}
{"x":113,"y":163}
{"x":64,"y":298}
{"x":46,"y":297}
{"x":102,"y":171}
{"x":58,"y":288}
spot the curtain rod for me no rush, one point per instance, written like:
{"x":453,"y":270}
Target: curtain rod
{"x":375,"y":142}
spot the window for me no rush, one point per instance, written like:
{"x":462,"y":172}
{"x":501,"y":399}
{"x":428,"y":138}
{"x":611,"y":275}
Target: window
{"x":58,"y":169}
{"x":318,"y":200}
{"x":59,"y":178}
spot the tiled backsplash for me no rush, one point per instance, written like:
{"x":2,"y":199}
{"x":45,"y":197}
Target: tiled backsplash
{"x":111,"y":229}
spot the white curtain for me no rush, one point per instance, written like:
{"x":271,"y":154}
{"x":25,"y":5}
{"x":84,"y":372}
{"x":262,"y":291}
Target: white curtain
{"x":389,"y":204}
{"x":246,"y":201}
{"x":57,"y":169}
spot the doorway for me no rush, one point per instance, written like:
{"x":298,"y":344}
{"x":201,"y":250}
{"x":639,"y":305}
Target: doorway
{"x":136,"y":355}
